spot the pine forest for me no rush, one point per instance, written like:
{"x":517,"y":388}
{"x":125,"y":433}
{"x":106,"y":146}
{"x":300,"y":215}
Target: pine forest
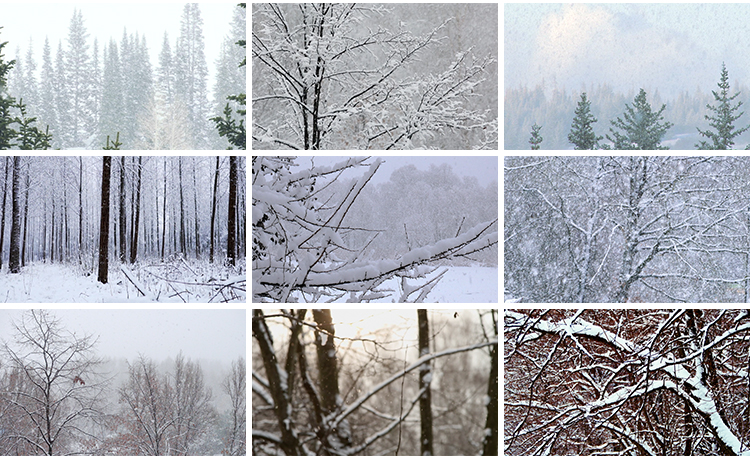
{"x":87,"y":93}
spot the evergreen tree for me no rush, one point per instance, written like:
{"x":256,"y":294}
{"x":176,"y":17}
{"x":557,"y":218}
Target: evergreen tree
{"x":31,"y":96}
{"x":112,"y":92}
{"x":46,"y":106}
{"x":7,"y":133}
{"x":165,"y":73}
{"x":227,"y":126}
{"x":582,"y":132}
{"x":96,"y":88}
{"x":191,"y":73}
{"x":231,"y":79}
{"x":63,"y":136}
{"x":137,"y":86}
{"x":723,"y":119}
{"x":642,"y":128}
{"x":79,"y":83}
{"x":536,"y":138}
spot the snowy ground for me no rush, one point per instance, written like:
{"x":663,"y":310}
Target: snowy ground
{"x":459,"y":285}
{"x":60,"y":283}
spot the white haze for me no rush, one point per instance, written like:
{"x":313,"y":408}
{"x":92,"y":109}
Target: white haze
{"x":159,"y":334}
{"x":31,"y":20}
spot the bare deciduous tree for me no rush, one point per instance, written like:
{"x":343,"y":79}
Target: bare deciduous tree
{"x":53,"y":389}
{"x":235,"y":387}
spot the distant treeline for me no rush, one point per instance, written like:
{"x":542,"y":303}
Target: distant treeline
{"x":555,"y":112}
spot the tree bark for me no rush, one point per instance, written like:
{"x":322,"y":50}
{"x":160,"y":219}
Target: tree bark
{"x":490,"y":442}
{"x":80,"y":210}
{"x":27,"y":182}
{"x":232,"y":212}
{"x":197,"y":221}
{"x":164,"y":212}
{"x":183,"y":241}
{"x":425,"y":378}
{"x":213,"y":211}
{"x":137,"y":212}
{"x":14,"y":263}
{"x":123,"y":221}
{"x":104,"y":221}
{"x":2,"y":220}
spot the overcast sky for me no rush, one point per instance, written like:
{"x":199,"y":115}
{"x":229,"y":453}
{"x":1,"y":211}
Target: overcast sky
{"x":24,"y":20}
{"x":484,"y":168}
{"x":671,"y":47}
{"x":212,"y":334}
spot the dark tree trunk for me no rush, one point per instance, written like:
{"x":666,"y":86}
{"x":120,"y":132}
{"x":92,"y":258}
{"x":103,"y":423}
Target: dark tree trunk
{"x":123,"y":221}
{"x":164,"y":212}
{"x":104,"y":222}
{"x":232,"y":212}
{"x":425,"y":377}
{"x":27,"y":182}
{"x":14,"y":263}
{"x":490,"y":442}
{"x":2,"y":220}
{"x":80,"y":210}
{"x":213,"y":210}
{"x":137,"y":212}
{"x":183,"y":241}
{"x":197,"y":221}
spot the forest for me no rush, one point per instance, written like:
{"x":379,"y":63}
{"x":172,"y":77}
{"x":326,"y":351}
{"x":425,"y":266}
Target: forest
{"x":649,"y":229}
{"x":59,"y":396}
{"x":406,"y":382}
{"x":158,"y":228}
{"x":374,"y":76}
{"x":321,"y":236}
{"x":686,"y":116}
{"x":94,"y":95}
{"x":626,"y":382}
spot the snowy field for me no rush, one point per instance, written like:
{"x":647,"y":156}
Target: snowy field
{"x":459,"y":285}
{"x":59,"y":283}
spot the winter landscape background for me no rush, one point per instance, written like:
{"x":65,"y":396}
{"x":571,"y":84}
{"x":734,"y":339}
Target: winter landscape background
{"x":122,"y":382}
{"x":324,"y":228}
{"x":155,"y":73}
{"x":169,"y":229}
{"x":375,"y":76}
{"x":675,"y":51}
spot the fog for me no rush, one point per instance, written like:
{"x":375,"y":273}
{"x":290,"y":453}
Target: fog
{"x":665,"y":47}
{"x":201,"y":334}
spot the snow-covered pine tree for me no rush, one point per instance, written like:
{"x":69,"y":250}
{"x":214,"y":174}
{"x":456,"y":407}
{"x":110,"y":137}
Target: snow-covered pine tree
{"x":723,"y":118}
{"x":191,"y":73}
{"x":582,"y":131}
{"x":231,"y":75}
{"x":63,"y":137}
{"x":641,"y":128}
{"x":7,"y":133}
{"x":31,"y":96}
{"x":112,"y":93}
{"x":536,"y":137}
{"x":47,"y":110}
{"x":79,"y":83}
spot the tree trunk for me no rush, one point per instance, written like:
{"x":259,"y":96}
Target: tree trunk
{"x":232,"y":212}
{"x":80,"y":210}
{"x":104,"y":222}
{"x":183,"y":241}
{"x":490,"y":442}
{"x":137,"y":212}
{"x":2,"y":220}
{"x":123,"y":221}
{"x":27,"y":181}
{"x":425,"y":378}
{"x":65,"y":246}
{"x":164,"y":212}
{"x":196,"y":222}
{"x":213,"y":210}
{"x":14,"y":263}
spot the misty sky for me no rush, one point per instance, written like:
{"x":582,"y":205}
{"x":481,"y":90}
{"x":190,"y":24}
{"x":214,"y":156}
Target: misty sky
{"x":484,"y":168}
{"x":213,"y":334}
{"x":21,"y":21}
{"x":669,"y":47}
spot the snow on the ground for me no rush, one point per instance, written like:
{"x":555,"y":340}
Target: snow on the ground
{"x":459,"y":285}
{"x":61,"y":283}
